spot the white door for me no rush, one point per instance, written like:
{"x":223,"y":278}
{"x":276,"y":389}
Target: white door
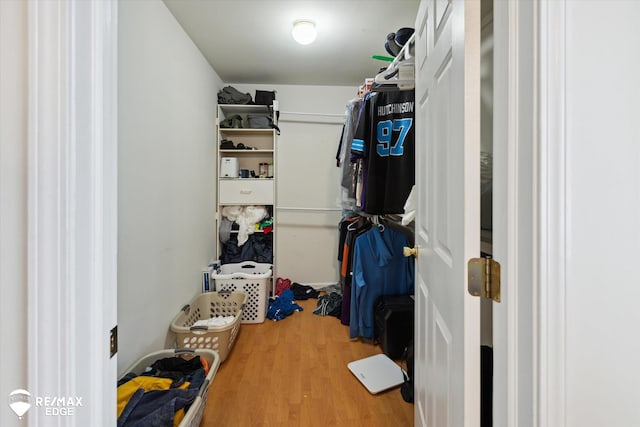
{"x":447,"y":351}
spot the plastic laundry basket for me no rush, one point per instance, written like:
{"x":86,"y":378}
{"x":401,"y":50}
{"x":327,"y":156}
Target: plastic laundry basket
{"x":193,"y":416}
{"x":206,"y":306}
{"x":252,"y":278}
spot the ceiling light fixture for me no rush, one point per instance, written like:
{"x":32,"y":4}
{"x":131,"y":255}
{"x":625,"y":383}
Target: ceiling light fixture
{"x":304,"y":31}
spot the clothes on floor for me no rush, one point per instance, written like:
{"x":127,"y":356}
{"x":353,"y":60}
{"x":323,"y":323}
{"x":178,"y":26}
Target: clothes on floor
{"x":282,"y":284}
{"x":303,"y":292}
{"x":282,"y":306}
{"x":329,"y":305}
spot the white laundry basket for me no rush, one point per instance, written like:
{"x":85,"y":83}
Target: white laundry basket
{"x":252,"y":278}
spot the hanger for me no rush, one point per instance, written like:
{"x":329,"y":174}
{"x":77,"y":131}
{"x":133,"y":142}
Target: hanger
{"x":375,"y":219}
{"x":400,"y":73}
{"x":395,"y":223}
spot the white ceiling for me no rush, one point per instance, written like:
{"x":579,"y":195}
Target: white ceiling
{"x":249,"y":41}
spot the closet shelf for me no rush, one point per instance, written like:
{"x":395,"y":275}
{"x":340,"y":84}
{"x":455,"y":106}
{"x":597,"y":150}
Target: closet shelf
{"x":246,"y":151}
{"x":245,"y":179}
{"x":246,"y":131}
{"x":245,"y":108}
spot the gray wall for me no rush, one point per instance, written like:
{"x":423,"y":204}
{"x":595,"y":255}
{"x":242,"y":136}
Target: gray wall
{"x":167,"y":108}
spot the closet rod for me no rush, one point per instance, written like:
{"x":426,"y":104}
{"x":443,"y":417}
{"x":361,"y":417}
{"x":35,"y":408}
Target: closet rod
{"x":289,"y":208}
{"x":295,"y":113}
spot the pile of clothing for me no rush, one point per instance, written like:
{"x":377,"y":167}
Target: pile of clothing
{"x":162,"y":394}
{"x":283,"y":303}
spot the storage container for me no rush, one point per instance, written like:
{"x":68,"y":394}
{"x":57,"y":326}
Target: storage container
{"x":229,"y":167}
{"x":206,"y":306}
{"x":252,"y":278}
{"x":193,"y":416}
{"x":248,"y":191}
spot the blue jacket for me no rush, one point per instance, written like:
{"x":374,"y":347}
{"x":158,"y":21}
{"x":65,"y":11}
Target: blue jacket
{"x":379,"y":268}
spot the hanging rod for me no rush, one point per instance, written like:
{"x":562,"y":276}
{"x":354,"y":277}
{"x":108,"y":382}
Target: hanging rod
{"x":289,"y":208}
{"x":295,"y":113}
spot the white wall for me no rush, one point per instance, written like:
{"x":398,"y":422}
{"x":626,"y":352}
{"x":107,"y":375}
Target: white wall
{"x":602,"y":209}
{"x":167,"y":100}
{"x":13,"y":203}
{"x":307,"y":177}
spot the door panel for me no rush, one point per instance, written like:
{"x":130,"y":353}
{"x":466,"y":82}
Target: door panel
{"x":448,"y":218}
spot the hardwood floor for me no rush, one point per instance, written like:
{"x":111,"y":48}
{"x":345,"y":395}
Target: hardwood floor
{"x":294,"y":373}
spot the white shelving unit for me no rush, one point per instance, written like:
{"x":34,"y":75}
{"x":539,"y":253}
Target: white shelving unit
{"x":260,"y":148}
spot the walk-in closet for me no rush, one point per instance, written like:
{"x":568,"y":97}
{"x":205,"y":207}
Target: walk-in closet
{"x":323,"y":212}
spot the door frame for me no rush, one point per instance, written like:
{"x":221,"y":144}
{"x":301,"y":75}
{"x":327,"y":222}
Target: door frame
{"x":532,"y":387}
{"x":529,"y":230}
{"x":514,"y":213}
{"x":72,"y":208}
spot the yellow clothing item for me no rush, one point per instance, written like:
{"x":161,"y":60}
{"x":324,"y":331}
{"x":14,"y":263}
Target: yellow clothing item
{"x":126,"y":390}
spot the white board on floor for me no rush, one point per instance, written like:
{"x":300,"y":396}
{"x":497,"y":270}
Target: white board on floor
{"x":377,"y":373}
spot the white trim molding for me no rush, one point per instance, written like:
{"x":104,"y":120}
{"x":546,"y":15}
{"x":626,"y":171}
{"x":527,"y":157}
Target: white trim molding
{"x":552,"y":214}
{"x":514,"y":218}
{"x":72,"y":224}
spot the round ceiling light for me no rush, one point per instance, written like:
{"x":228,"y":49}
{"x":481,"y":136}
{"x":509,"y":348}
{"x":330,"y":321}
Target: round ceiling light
{"x":304,"y":31}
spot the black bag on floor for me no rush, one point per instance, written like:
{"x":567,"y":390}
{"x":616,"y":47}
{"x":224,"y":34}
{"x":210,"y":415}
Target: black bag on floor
{"x":393,"y":315}
{"x":406,"y":389}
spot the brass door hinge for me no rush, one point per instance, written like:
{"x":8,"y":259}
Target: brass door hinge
{"x":484,"y":278}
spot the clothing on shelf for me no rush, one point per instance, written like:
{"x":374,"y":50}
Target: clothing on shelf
{"x":246,"y":217}
{"x":257,"y":248}
{"x":246,"y":234}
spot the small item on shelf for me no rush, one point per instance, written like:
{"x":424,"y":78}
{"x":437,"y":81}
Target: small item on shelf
{"x":227,"y":144}
{"x":263,"y":170}
{"x":259,"y":121}
{"x":231,"y":95}
{"x":229,"y":167}
{"x":265,"y":97}
{"x":233,"y":122}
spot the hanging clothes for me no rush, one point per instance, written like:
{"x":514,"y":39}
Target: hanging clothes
{"x":343,"y":161}
{"x":355,"y":227}
{"x":385,"y":141}
{"x":379,"y":268}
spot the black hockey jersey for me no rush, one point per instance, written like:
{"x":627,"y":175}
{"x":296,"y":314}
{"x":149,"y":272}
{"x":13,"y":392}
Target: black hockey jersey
{"x":385,"y":138}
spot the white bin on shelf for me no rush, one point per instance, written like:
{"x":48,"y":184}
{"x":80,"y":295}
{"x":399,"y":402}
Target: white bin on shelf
{"x":249,"y":277}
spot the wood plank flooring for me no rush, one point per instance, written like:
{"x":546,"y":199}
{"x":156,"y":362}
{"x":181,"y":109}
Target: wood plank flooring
{"x":294,"y":373}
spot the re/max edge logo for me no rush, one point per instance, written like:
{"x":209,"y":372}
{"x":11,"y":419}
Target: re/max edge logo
{"x":20,"y":402}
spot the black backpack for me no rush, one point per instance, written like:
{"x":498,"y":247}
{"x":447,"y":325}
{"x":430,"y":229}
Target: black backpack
{"x":407,"y":387}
